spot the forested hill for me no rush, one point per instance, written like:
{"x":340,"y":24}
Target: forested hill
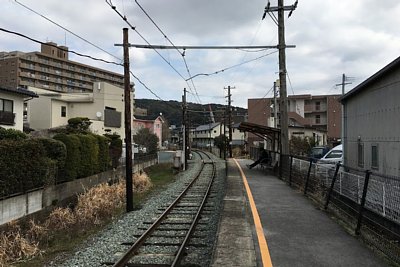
{"x":198,"y":115}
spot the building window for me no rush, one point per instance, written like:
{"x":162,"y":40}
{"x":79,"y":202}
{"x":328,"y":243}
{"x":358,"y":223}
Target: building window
{"x":360,"y":155}
{"x":6,"y":105}
{"x":318,"y":105}
{"x":374,"y":157}
{"x":63,"y":111}
{"x":317,"y":119}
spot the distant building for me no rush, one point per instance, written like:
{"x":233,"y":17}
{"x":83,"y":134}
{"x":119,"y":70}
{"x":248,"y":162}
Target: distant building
{"x":12,"y":107}
{"x":51,"y":69}
{"x":322,"y":113}
{"x":203,"y":135}
{"x":140,"y":111}
{"x":154,"y":124}
{"x":104,"y":107}
{"x":371,"y":122}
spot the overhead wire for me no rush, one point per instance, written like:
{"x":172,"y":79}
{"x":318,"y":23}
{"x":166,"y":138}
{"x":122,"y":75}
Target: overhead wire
{"x":231,"y":67}
{"x":65,"y":29}
{"x":109,"y":2}
{"x":290,"y":82}
{"x":258,"y":101}
{"x":169,"y":40}
{"x":83,"y":55}
{"x":63,"y":49}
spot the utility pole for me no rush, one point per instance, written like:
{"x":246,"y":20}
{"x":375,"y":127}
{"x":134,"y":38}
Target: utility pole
{"x":275,"y":108}
{"x":128,"y":124}
{"x":282,"y":71}
{"x":230,"y":120}
{"x":184,"y":130}
{"x":343,"y":84}
{"x":225,"y":146}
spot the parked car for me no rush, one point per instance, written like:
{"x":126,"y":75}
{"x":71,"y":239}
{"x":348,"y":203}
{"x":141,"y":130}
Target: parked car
{"x":318,"y":152}
{"x":334,"y":156}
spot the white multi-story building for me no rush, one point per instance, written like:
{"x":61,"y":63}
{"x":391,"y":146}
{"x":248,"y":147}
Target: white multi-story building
{"x":104,"y":107}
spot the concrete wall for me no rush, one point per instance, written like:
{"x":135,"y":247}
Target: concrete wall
{"x":372,"y":118}
{"x":19,"y":206}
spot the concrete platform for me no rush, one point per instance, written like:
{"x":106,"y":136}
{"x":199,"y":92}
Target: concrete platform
{"x":297,"y":233}
{"x":235,"y":245}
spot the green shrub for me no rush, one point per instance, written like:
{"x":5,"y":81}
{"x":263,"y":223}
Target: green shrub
{"x":11,"y":134}
{"x":73,"y":160}
{"x":104,"y":160}
{"x":89,"y":150}
{"x":24,"y":165}
{"x":79,"y":125}
{"x":56,"y":150}
{"x":115,"y":148}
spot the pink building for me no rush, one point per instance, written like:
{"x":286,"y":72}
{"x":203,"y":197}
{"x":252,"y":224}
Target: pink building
{"x":151,"y":123}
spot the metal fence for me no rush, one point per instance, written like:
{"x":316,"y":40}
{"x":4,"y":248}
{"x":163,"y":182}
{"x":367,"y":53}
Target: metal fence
{"x":365,"y":201}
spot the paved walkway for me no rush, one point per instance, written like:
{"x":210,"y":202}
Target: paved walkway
{"x":296,"y":233}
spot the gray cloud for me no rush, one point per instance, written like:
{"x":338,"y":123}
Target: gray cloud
{"x":332,"y":37}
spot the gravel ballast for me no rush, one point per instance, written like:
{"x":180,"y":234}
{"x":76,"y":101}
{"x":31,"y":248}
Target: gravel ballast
{"x":106,"y":245}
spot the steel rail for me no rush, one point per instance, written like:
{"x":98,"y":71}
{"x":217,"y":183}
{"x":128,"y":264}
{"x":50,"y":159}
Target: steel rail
{"x":180,"y":253}
{"x":123,"y":261}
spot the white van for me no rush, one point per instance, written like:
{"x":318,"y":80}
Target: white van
{"x":334,"y":156}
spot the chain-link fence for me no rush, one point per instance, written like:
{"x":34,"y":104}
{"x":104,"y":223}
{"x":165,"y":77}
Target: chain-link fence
{"x":365,"y":201}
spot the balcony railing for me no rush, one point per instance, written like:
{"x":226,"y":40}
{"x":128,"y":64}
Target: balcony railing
{"x":7,"y":118}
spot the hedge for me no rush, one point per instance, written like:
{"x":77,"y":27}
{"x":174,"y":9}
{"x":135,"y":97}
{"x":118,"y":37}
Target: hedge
{"x":104,"y":160}
{"x":11,"y":134}
{"x":73,"y":160}
{"x":115,"y":149}
{"x":24,"y":165}
{"x":89,"y":155}
{"x":55,"y":150}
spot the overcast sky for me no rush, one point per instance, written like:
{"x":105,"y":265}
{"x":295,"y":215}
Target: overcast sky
{"x":356,"y":37}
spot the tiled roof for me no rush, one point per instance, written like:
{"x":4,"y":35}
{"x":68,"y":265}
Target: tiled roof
{"x":207,"y":127}
{"x":19,"y":91}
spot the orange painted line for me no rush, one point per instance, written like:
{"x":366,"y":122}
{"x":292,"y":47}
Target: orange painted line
{"x":262,"y":242}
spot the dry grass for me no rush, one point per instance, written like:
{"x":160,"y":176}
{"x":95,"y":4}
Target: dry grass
{"x":141,"y":182}
{"x":98,"y":204}
{"x":60,"y":219}
{"x":95,"y":206}
{"x":14,"y":247}
{"x":37,"y":232}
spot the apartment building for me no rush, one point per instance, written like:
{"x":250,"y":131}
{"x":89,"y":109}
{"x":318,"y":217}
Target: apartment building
{"x":51,"y":69}
{"x":321,"y":112}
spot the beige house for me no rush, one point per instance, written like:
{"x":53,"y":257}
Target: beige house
{"x":12,"y":107}
{"x":104,"y":107}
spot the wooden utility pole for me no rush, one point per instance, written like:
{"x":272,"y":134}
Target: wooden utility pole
{"x":184,"y":130}
{"x":284,"y":122}
{"x":282,"y":80}
{"x":343,"y":84}
{"x":275,"y":108}
{"x":230,"y":120}
{"x":128,"y":124}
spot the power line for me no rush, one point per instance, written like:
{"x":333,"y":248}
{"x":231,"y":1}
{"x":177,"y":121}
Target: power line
{"x":82,"y":55}
{"x":65,"y":50}
{"x":64,"y":28}
{"x":290,"y":82}
{"x":169,"y":40}
{"x":258,"y":101}
{"x":109,"y":2}
{"x":231,"y":67}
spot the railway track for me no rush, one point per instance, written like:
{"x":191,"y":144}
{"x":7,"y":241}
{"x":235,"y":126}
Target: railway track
{"x":165,"y":242}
